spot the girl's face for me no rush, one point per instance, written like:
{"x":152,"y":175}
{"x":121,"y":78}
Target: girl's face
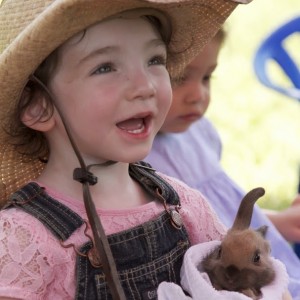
{"x":192,"y":95}
{"x":113,"y":90}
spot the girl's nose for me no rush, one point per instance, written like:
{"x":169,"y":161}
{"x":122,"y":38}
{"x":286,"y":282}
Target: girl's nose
{"x":196,"y":93}
{"x":141,"y":85}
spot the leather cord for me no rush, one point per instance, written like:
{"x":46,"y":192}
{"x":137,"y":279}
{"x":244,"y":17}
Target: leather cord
{"x":84,"y":176}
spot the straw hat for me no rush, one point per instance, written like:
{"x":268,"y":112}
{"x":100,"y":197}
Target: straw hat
{"x":30,"y":30}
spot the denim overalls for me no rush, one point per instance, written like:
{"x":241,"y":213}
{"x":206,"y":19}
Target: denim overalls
{"x":145,"y":255}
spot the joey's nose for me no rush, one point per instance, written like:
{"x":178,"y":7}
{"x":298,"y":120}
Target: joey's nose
{"x":231,"y":271}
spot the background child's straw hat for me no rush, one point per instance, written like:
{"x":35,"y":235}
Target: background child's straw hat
{"x":31,"y":29}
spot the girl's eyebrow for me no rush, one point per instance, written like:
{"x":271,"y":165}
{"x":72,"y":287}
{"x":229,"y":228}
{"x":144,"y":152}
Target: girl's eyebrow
{"x":156,"y":42}
{"x":195,"y":69}
{"x":97,"y":52}
{"x":110,"y":49}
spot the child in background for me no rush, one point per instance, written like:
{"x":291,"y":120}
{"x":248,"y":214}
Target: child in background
{"x":188,"y":147}
{"x":84,"y":90}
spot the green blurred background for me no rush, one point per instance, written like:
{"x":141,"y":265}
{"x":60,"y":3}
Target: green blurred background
{"x":260,"y":128}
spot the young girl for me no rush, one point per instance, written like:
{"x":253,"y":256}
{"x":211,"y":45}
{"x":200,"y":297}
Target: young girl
{"x":84,"y":90}
{"x":196,"y":160}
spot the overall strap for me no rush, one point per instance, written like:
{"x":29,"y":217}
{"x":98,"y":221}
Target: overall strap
{"x":150,"y":180}
{"x":60,"y":220}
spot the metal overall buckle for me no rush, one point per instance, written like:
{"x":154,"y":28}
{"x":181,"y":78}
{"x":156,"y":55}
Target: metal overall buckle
{"x":173,"y":212}
{"x":92,"y":254}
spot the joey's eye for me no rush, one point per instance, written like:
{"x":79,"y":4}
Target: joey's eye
{"x":256,"y":257}
{"x":158,"y":60}
{"x":219,"y":252}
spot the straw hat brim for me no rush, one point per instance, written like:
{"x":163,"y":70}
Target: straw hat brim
{"x":39,"y":27}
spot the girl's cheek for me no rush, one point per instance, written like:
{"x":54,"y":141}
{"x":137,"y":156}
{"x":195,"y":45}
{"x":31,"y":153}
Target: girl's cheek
{"x":167,"y":101}
{"x":166,"y":84}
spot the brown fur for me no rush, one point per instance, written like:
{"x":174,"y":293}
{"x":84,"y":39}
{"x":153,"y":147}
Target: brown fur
{"x":242,"y":262}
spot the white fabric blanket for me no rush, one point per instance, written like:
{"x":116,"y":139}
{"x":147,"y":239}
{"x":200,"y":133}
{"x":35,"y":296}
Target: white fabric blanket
{"x":198,"y":285}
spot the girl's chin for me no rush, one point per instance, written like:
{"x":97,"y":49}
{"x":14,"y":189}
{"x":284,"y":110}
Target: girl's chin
{"x":133,"y":158}
{"x":142,"y":155}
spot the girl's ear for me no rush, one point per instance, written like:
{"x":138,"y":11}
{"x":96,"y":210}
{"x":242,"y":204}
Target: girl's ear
{"x":37,"y":115}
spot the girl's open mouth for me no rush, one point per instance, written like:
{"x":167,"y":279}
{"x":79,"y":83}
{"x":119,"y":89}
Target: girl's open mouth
{"x":136,"y":125}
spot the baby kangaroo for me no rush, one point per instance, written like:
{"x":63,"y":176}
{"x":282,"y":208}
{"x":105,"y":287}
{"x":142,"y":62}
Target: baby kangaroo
{"x":242,"y":263}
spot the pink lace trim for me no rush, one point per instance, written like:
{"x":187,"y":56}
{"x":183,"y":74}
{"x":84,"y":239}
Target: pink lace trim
{"x":33,"y":265}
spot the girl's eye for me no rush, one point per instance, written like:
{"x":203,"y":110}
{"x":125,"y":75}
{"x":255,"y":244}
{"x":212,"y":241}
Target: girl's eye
{"x":179,"y":81}
{"x":207,"y":78}
{"x":104,"y":68}
{"x":158,"y":60}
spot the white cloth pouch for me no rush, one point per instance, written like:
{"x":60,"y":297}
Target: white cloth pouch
{"x":198,"y":285}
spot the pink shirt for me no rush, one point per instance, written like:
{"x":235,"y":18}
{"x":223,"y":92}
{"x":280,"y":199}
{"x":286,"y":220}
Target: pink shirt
{"x":33,"y":264}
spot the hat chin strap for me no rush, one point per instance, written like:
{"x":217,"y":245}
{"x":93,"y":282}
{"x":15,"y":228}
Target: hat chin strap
{"x":85,"y":177}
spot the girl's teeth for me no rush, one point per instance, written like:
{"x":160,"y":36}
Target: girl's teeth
{"x":136,"y":131}
{"x":134,"y":125}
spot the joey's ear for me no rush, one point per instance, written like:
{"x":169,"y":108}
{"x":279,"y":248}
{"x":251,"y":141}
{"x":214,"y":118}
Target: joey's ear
{"x":37,"y":114}
{"x":262,"y":230}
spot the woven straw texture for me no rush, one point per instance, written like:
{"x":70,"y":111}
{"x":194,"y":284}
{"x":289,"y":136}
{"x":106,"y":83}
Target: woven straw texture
{"x":31,"y":29}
